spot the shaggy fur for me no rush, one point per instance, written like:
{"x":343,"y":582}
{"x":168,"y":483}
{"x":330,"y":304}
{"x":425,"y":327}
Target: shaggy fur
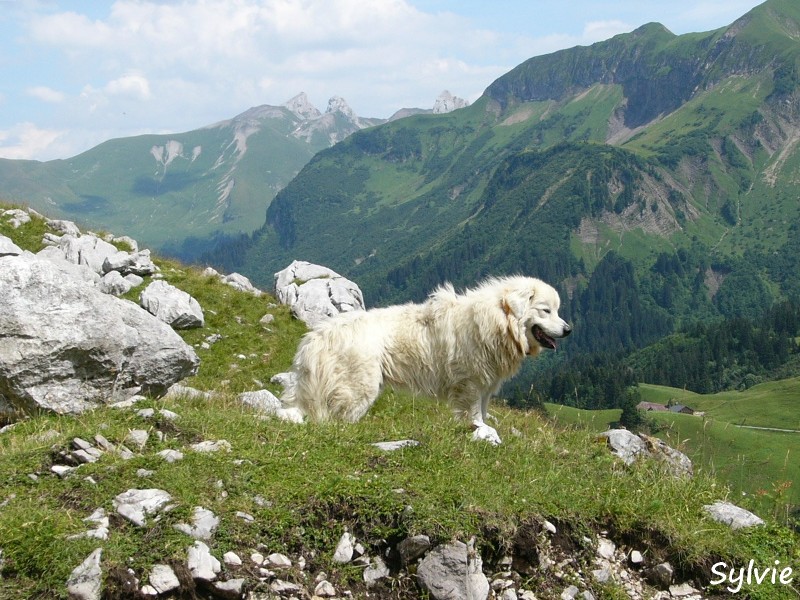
{"x":456,"y":347}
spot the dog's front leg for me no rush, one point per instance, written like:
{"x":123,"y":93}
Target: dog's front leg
{"x":482,"y":431}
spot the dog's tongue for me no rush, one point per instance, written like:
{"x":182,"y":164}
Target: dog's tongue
{"x":544,"y":339}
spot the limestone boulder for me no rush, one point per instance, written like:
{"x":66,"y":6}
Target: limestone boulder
{"x":67,"y":347}
{"x":315,"y":293}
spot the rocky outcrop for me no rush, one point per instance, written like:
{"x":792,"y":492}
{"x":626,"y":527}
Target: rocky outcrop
{"x":314,"y":292}
{"x":67,"y":347}
{"x":630,"y":447}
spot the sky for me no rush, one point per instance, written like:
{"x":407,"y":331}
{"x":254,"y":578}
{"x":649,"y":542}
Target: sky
{"x":76,"y":73}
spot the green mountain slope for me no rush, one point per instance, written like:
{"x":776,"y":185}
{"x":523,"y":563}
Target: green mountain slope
{"x":643,"y":144}
{"x":175,"y":191}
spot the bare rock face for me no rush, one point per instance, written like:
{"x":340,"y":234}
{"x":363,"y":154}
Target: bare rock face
{"x":315,"y":293}
{"x":68,"y":347}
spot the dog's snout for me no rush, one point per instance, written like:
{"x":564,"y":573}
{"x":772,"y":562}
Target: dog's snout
{"x":567,"y":329}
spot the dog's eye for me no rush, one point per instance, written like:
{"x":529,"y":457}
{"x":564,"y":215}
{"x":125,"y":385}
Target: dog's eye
{"x":547,"y":311}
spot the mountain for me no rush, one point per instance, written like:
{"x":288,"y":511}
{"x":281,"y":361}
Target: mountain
{"x":164,"y":189}
{"x":646,"y":143}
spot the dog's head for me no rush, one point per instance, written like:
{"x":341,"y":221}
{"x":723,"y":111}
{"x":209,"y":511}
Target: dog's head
{"x":532,"y":308}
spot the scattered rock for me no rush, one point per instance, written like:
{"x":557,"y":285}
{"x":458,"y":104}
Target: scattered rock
{"x":212,"y":446}
{"x":630,"y":447}
{"x":135,"y":505}
{"x":204,"y":524}
{"x":660,"y":575}
{"x":86,"y":580}
{"x":130,"y":263}
{"x":163,"y":579}
{"x":344,"y":549}
{"x":375,"y":571}
{"x":263,"y":401}
{"x":202,"y":565}
{"x":732,"y":515}
{"x":413,"y":547}
{"x":453,"y":572}
{"x":392,"y":446}
{"x":174,"y":307}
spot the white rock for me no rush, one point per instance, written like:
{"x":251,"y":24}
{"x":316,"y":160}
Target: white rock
{"x":135,"y":504}
{"x":315,"y":293}
{"x":344,"y":549}
{"x":138,"y":437}
{"x":229,"y":589}
{"x":212,"y":446}
{"x":171,"y":305}
{"x":453,"y":571}
{"x":94,"y":350}
{"x":732,"y":515}
{"x":170,"y":455}
{"x":232,"y":559}
{"x":163,"y":579}
{"x":325,"y":589}
{"x":605,"y":549}
{"x":376,"y":571}
{"x":204,"y":524}
{"x":263,"y":401}
{"x":201,"y":564}
{"x":284,"y":588}
{"x":86,"y":580}
{"x":278,"y":561}
{"x":113,"y":283}
{"x":392,"y":446}
{"x":8,"y":248}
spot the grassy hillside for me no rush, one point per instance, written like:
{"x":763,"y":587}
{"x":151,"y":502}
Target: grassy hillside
{"x":304,"y":485}
{"x":761,"y":466}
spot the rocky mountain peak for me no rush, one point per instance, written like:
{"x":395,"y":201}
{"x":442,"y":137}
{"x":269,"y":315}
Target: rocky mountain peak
{"x":447,"y":102}
{"x":301,"y":106}
{"x":339,"y":104}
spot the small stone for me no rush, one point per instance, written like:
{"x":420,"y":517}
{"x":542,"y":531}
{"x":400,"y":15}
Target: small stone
{"x":732,"y":516}
{"x":168,"y":414}
{"x":413,"y":547}
{"x":62,"y":470}
{"x":209,"y":446}
{"x":601,"y":575}
{"x":569,"y":593}
{"x":232,"y":559}
{"x":605,"y":549}
{"x":278,"y":561}
{"x":229,"y":589}
{"x":325,"y":589}
{"x":284,"y":587}
{"x":134,"y":504}
{"x":684,"y":589}
{"x":257,"y":558}
{"x":344,"y":550}
{"x":660,"y":575}
{"x":376,"y":571}
{"x":170,"y":456}
{"x":144,"y":473}
{"x":204,"y":524}
{"x":636,"y":557}
{"x":201,"y":564}
{"x":163,"y":579}
{"x":146,"y":413}
{"x":550,"y":527}
{"x":86,"y":580}
{"x":245,"y":516}
{"x":137,"y":438}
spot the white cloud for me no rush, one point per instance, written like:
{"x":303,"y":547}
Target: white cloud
{"x":46,"y":94}
{"x":597,"y":31}
{"x":26,"y":140}
{"x":131,"y":85}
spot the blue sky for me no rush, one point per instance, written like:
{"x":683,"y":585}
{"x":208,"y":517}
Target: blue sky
{"x":74,"y":74}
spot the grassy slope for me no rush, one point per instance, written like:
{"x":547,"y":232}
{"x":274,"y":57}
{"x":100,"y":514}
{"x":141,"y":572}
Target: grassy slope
{"x":755,"y":463}
{"x":318,"y":479}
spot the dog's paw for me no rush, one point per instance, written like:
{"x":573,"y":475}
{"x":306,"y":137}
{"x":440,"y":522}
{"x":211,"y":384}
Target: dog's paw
{"x":293,"y":415}
{"x":486,"y":433}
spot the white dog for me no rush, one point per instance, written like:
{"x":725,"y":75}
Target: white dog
{"x":456,"y":347}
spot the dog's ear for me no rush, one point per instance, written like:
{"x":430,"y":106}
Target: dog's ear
{"x":514,"y":327}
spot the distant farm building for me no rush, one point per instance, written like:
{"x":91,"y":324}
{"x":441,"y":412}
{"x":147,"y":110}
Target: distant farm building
{"x":656,"y":407}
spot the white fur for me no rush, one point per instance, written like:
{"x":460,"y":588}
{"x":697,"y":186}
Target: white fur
{"x":455,"y":347}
